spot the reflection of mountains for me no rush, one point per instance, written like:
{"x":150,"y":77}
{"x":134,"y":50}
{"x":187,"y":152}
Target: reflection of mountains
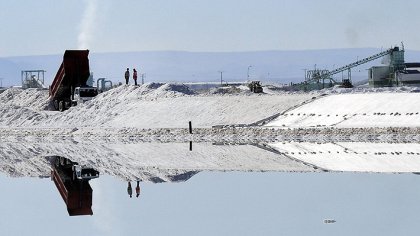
{"x":154,"y":162}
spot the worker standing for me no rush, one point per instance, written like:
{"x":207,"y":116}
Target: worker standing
{"x":129,"y":189}
{"x":135,"y":76}
{"x":127,"y":75}
{"x":138,"y":189}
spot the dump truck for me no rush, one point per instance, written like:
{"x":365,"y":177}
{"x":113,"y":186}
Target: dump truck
{"x":69,"y":86}
{"x":255,"y":87}
{"x":72,"y":182}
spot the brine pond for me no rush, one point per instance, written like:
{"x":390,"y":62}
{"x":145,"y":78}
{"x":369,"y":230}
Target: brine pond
{"x":213,"y":189}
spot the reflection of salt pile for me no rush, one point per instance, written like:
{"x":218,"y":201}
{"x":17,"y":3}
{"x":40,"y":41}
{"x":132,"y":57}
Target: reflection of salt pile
{"x":355,"y":156}
{"x":154,"y":162}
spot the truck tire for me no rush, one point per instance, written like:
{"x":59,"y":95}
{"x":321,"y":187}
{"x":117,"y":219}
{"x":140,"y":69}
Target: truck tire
{"x":61,"y":106}
{"x":55,"y":104}
{"x":57,"y":162}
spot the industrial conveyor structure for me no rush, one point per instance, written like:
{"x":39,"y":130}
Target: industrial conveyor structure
{"x":320,"y":79}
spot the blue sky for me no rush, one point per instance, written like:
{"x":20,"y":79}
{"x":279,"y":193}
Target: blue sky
{"x":50,"y":26}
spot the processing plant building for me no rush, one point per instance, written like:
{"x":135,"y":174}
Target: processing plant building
{"x":394,"y":71}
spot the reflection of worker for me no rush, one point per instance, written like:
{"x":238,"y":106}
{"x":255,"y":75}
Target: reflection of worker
{"x":135,"y":76}
{"x":138,"y":189}
{"x":129,"y":189}
{"x":127,"y":76}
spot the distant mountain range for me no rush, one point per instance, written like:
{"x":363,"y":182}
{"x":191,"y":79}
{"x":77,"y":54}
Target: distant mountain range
{"x":180,"y":66}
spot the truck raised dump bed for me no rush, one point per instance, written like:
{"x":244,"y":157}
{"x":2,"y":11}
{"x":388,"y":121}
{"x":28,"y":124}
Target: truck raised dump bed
{"x":70,"y":83}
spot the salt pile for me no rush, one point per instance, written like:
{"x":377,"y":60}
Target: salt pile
{"x":157,"y":105}
{"x":352,"y":110}
{"x":152,"y":105}
{"x":171,"y":90}
{"x":36,"y":99}
{"x":229,"y":90}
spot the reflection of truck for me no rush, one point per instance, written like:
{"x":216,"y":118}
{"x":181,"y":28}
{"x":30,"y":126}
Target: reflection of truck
{"x":255,"y":87}
{"x":69,"y":86}
{"x":72,"y":181}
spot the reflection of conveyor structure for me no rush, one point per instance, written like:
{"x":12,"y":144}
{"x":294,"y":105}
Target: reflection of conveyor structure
{"x":72,"y":182}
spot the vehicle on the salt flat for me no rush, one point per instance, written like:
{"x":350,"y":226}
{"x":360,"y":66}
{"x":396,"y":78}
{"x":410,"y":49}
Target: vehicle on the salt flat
{"x":69,"y":86}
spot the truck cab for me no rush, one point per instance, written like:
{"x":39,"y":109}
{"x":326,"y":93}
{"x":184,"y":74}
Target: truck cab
{"x":83,"y":94}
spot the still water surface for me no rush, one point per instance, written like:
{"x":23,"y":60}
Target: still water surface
{"x":222,"y":203}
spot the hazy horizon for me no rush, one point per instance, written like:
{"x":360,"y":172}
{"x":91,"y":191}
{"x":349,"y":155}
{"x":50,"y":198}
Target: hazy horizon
{"x":282,"y":66}
{"x":46,"y":27}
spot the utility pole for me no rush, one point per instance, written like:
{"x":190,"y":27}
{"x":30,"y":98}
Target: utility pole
{"x":306,"y":75}
{"x":221,"y":77}
{"x":1,"y":82}
{"x":247,"y":74}
{"x":142,"y":78}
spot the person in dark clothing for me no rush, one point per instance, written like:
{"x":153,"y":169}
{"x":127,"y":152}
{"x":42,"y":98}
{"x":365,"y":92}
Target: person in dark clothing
{"x":129,"y":189}
{"x":135,"y":76}
{"x":127,"y":76}
{"x":138,"y":189}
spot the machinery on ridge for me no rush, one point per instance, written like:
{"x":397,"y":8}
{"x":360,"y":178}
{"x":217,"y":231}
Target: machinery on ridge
{"x":255,"y":87}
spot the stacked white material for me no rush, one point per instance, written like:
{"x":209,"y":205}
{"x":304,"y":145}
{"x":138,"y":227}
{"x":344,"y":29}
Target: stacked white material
{"x":152,"y":105}
{"x":355,"y":111}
